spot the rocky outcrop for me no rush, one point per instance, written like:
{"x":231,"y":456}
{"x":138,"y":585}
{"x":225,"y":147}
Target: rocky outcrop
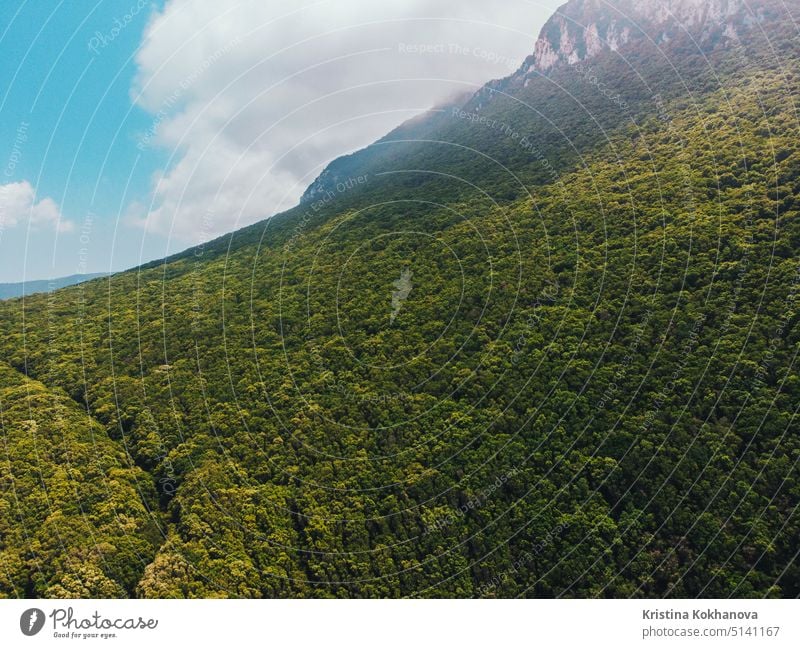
{"x":582,"y":29}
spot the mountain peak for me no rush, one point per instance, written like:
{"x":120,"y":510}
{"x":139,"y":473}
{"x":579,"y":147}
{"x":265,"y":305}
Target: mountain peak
{"x":582,"y":29}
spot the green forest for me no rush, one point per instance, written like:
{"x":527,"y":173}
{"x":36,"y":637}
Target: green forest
{"x":585,"y":385}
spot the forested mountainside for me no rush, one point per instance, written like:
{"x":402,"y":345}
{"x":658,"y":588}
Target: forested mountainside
{"x":76,"y":516}
{"x":542,"y":344}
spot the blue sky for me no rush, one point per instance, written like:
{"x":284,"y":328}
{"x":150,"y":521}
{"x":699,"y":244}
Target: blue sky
{"x":130,"y":129}
{"x":67,"y":125}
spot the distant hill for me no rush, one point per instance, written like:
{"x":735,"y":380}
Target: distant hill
{"x":12,"y":290}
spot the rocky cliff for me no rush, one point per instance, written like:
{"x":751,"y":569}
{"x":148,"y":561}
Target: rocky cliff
{"x":582,"y":29}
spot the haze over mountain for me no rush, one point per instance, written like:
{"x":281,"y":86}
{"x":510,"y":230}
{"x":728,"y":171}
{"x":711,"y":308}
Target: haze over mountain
{"x":539,"y":342}
{"x":12,"y":290}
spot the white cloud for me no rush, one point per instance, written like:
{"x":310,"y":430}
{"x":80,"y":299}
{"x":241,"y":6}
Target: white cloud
{"x":252,"y":98}
{"x":19,"y":206}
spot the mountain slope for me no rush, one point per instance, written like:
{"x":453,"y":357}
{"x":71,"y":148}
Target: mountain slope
{"x":77,"y":518}
{"x":588,"y":386}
